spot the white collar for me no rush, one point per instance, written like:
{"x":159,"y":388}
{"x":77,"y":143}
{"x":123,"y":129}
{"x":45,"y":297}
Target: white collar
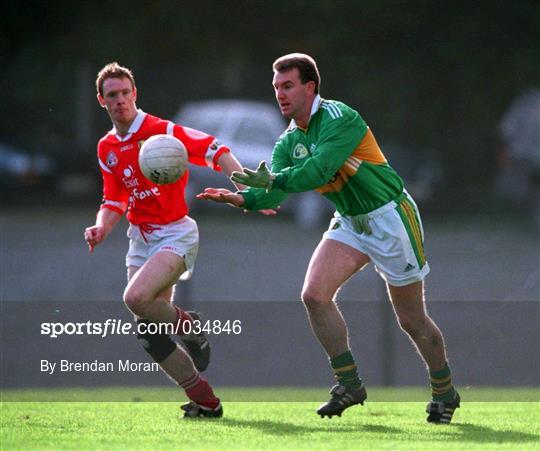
{"x":133,"y":128}
{"x":314,"y":108}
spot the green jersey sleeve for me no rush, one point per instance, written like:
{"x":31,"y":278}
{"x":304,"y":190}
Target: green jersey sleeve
{"x":259,"y":198}
{"x":338,"y":135}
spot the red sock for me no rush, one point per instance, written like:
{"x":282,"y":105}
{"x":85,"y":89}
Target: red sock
{"x":198,"y":390}
{"x":182,"y":317}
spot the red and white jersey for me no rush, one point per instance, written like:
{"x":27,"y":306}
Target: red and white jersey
{"x":124,"y":185}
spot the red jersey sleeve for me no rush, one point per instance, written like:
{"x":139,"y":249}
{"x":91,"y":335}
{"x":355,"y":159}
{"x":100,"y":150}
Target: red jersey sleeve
{"x":203,"y":149}
{"x":115,"y":198}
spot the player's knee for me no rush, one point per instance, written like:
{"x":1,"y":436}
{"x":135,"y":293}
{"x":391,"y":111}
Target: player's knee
{"x":158,"y":345}
{"x":135,"y":300}
{"x":313,"y":299}
{"x":413,"y":327}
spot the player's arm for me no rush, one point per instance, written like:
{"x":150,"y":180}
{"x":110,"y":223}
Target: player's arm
{"x":203,"y":149}
{"x":228,"y":163}
{"x":339,"y":138}
{"x":338,"y":141}
{"x":260,"y":198}
{"x":206,"y":150}
{"x":105,"y":221}
{"x":113,"y":206}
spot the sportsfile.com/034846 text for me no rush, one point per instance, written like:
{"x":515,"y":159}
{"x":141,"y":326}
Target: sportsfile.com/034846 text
{"x":120,"y":327}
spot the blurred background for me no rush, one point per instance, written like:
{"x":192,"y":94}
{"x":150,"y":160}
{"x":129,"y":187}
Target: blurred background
{"x":451,"y":90}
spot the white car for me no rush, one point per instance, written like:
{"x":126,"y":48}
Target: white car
{"x":250,"y":129}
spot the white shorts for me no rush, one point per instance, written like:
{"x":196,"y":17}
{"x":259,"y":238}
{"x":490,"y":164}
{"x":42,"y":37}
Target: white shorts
{"x":180,"y":237}
{"x":396,"y":244}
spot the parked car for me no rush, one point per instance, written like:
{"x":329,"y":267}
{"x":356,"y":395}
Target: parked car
{"x":250,"y":129}
{"x":21,"y":170}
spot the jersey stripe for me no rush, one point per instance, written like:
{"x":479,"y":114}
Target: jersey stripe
{"x":170,"y":128}
{"x":332,"y":109}
{"x":104,"y":166}
{"x":332,"y":114}
{"x":336,"y":110}
{"x":112,"y":203}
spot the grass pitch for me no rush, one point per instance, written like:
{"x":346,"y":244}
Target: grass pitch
{"x":265,"y":424}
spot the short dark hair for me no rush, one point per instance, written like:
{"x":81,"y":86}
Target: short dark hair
{"x":305,"y":64}
{"x":113,"y":70}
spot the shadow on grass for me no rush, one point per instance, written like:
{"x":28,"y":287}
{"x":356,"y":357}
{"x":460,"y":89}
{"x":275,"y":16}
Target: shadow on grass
{"x":284,"y":428}
{"x":467,"y":432}
{"x":475,"y":433}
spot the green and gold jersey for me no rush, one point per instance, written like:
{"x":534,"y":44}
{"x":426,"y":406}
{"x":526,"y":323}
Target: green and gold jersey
{"x":337,"y":155}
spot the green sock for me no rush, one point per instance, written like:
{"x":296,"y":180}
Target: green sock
{"x":441,"y":384}
{"x":345,"y":370}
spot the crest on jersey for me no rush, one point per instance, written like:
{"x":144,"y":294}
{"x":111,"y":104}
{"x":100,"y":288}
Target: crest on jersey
{"x":112,"y":159}
{"x":300,"y":152}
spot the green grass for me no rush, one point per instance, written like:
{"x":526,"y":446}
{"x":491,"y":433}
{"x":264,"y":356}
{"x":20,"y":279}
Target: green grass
{"x":265,"y":425}
{"x":258,"y":394}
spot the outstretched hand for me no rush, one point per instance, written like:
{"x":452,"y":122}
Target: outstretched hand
{"x":225,"y":196}
{"x":261,"y":178}
{"x":222,"y":195}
